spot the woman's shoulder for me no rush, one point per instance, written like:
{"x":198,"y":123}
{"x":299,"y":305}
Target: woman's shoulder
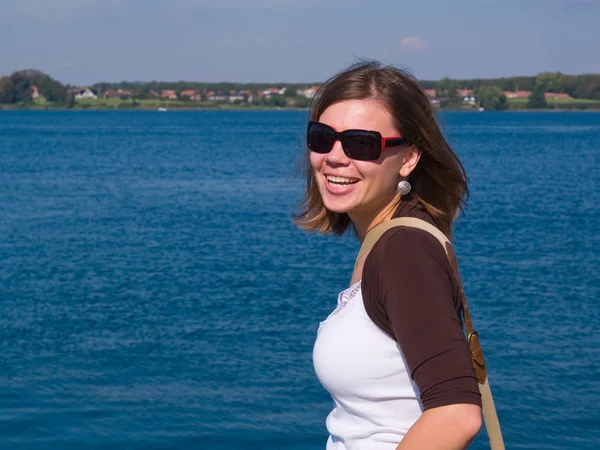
{"x":409,"y":262}
{"x":403,"y":241}
{"x":401,"y":246}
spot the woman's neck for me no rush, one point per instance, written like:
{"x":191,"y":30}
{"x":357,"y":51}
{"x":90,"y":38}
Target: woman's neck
{"x":366,"y":222}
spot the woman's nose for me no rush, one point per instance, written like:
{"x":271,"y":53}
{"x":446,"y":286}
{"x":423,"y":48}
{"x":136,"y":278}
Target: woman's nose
{"x":336,"y":154}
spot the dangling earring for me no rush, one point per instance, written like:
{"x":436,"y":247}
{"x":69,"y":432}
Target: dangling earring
{"x":404,"y":187}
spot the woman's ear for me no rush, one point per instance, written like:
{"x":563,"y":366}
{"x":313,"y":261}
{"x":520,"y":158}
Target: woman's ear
{"x":409,"y":161}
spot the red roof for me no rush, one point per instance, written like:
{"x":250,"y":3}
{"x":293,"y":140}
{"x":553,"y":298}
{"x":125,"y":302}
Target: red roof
{"x":430,"y":92}
{"x":517,"y":94}
{"x":556,"y":95}
{"x":111,"y":93}
{"x":188,"y":93}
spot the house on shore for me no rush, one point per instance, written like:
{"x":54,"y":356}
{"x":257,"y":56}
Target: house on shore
{"x":191,"y":94}
{"x":84,"y":93}
{"x":467,"y":96}
{"x":168,"y":94}
{"x":187,"y":93}
{"x":247,"y":96}
{"x":119,"y":93}
{"x":308,"y":93}
{"x":274,"y":91}
{"x":517,"y":94}
{"x":561,"y":95}
{"x":231,"y":97}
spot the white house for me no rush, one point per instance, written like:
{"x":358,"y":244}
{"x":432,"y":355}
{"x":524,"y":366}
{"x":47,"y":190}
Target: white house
{"x":274,"y":91}
{"x":85,"y":93}
{"x":469,"y":99}
{"x":236,"y":98}
{"x":308,"y":93}
{"x":226,"y":98}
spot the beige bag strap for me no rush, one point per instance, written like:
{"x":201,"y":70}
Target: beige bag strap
{"x":489,"y":410}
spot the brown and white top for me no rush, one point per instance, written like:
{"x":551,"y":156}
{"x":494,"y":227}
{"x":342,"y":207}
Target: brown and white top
{"x":394,"y":346}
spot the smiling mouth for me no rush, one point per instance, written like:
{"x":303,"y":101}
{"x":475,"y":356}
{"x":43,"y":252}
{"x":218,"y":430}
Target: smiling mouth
{"x":340,"y":181}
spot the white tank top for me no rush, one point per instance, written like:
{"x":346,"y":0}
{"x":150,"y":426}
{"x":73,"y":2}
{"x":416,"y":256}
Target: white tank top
{"x":375,"y":400}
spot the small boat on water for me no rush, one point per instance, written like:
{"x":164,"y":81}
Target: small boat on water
{"x":162,"y":109}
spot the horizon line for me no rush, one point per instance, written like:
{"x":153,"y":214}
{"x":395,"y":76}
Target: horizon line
{"x":294,"y":82}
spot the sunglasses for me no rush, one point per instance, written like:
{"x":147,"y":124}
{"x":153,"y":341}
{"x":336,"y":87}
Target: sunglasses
{"x":362,"y":145}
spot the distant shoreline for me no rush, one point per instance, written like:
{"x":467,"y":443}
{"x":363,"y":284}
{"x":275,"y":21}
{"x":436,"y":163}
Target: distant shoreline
{"x":548,"y":91}
{"x":153,"y":108}
{"x":263,"y":108}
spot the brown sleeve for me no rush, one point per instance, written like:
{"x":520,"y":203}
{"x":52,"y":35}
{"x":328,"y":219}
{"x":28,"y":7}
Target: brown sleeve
{"x":409,"y":291}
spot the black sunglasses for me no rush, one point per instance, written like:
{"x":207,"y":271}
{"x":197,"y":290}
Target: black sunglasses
{"x":362,"y":145}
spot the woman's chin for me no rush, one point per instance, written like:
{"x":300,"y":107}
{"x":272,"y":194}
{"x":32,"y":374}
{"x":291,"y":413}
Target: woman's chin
{"x":338,"y":200}
{"x":336,"y":206}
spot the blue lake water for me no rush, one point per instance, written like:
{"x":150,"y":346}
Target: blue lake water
{"x":156,"y":295}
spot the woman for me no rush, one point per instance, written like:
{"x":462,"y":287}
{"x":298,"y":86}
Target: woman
{"x":393,"y":355}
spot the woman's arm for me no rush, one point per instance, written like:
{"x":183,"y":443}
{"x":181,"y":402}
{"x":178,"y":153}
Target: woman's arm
{"x":451,"y":427}
{"x":412,"y":286}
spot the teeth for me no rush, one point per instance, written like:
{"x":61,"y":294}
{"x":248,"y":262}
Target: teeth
{"x":340,"y":180}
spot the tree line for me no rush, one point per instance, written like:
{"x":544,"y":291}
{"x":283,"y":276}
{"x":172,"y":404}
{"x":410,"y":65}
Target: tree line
{"x":17,"y":88}
{"x":577,"y":86}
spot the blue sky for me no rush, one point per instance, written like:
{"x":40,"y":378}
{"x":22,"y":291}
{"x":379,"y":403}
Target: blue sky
{"x":86,"y":41}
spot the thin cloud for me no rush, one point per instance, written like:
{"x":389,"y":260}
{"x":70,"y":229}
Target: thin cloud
{"x":64,"y":64}
{"x":411,"y":44}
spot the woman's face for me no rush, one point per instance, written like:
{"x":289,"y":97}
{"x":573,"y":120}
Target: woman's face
{"x":363,"y":189}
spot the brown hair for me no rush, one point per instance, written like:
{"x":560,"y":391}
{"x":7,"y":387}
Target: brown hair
{"x":439,"y":181}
